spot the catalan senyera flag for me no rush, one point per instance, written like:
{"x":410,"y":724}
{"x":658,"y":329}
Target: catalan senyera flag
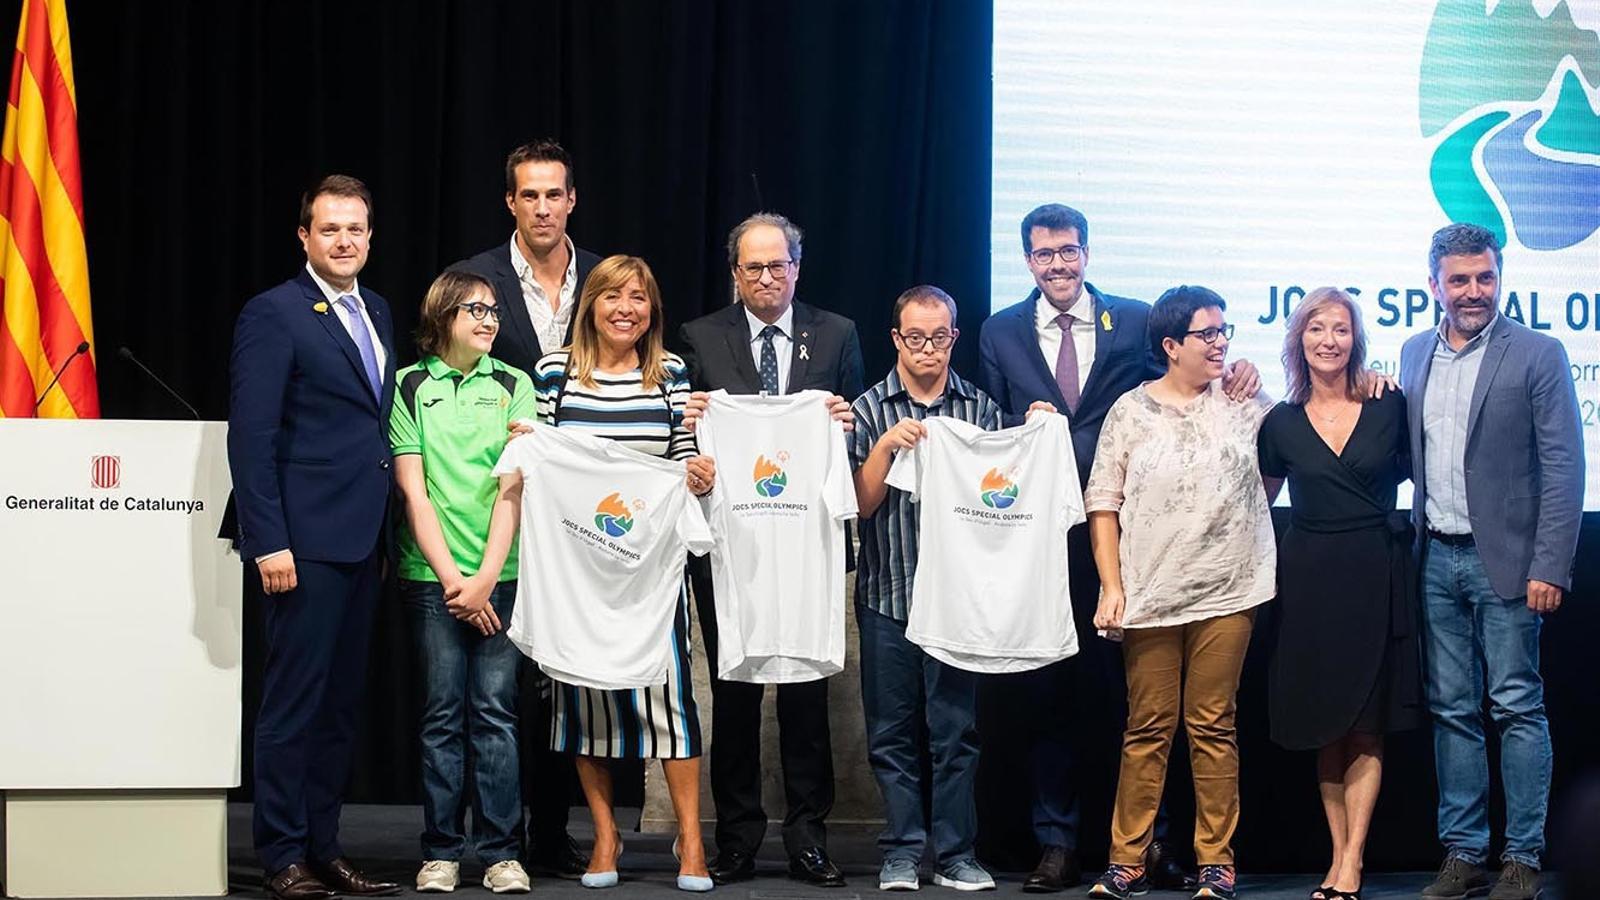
{"x":44,"y":267}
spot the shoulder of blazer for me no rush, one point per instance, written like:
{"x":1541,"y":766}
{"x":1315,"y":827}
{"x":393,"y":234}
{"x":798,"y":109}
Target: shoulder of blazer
{"x":715,"y":323}
{"x":586,"y":263}
{"x":1017,"y":315}
{"x":808,"y":316}
{"x":493,"y":262}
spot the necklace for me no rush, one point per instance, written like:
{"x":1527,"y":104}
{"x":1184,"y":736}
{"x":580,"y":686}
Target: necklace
{"x":1330,"y":419}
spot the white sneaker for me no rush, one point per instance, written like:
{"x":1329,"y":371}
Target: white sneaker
{"x":507,"y":877}
{"x":438,"y":876}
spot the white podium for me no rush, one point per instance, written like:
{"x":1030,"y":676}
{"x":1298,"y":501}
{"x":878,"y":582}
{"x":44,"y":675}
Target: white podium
{"x":120,"y":645}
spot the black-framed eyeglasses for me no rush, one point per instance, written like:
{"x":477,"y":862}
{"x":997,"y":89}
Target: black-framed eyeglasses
{"x":1210,"y":335}
{"x":1044,"y":256}
{"x":778,"y":269}
{"x":480,"y":310}
{"x":916,"y":340}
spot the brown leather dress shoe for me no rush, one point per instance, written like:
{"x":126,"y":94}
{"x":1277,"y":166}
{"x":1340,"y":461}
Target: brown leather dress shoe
{"x":345,"y":878}
{"x":295,"y":882}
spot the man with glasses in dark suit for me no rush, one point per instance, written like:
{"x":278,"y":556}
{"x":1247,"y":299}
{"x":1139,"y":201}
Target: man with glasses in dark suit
{"x":768,"y":343}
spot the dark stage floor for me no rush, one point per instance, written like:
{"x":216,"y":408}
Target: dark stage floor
{"x":383,"y":838}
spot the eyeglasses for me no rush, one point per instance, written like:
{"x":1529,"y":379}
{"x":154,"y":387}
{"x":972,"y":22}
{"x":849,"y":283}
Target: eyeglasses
{"x":916,"y":340}
{"x":1210,"y":335}
{"x":1043,"y":256}
{"x":778,"y":269}
{"x":480,"y":310}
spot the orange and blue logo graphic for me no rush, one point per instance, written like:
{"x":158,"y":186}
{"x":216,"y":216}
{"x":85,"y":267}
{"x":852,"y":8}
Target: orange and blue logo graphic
{"x":997,"y":491}
{"x":769,"y":476}
{"x":612,"y":516}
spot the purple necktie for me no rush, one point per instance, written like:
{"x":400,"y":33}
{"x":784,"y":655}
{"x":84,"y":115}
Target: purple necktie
{"x":369,"y":356}
{"x":1067,"y":363}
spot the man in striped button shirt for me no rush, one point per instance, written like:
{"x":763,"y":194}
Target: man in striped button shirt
{"x":901,"y":686}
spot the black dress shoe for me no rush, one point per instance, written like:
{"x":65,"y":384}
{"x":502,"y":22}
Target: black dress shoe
{"x":344,"y":878}
{"x":732,"y":865}
{"x":813,"y":866}
{"x":559,"y":856}
{"x":1057,"y":870}
{"x":295,"y":882}
{"x":1161,"y":866}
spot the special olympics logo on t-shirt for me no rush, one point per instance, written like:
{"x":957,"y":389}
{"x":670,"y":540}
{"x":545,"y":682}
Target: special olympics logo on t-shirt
{"x":612,"y":516}
{"x":997,"y":491}
{"x":769,"y":477}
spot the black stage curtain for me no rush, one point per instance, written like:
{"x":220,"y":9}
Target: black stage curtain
{"x":867,"y":123}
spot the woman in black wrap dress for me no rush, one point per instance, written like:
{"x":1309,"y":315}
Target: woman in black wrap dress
{"x":1346,"y":668}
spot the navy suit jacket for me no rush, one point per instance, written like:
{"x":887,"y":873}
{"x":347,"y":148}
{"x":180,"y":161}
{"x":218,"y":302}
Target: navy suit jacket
{"x":825,"y":354}
{"x":518,"y":344}
{"x":308,"y":444}
{"x":1524,"y":455}
{"x":1013,"y":371}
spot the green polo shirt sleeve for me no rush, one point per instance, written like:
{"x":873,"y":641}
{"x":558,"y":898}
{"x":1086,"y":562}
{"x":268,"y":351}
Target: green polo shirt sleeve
{"x":403,"y":436}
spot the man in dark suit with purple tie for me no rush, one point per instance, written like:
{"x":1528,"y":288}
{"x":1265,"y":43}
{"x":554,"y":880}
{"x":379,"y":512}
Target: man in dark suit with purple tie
{"x":312,"y":382}
{"x":1078,"y":349}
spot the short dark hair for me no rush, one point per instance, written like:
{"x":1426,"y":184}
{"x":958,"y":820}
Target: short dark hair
{"x":1174,"y":310}
{"x":451,"y":289}
{"x":792,"y":235}
{"x":1461,"y":239}
{"x":542,"y":150}
{"x":337,"y":186}
{"x":1053,"y":217}
{"x":924,"y":293}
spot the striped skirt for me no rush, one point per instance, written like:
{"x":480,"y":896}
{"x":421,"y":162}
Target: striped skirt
{"x":660,"y":722}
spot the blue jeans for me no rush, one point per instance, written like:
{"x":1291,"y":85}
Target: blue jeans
{"x":1470,"y":632}
{"x":469,"y":699}
{"x":902,"y":690}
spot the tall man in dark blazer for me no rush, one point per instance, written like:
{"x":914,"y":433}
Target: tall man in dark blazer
{"x":1077,"y":349}
{"x":537,"y":278}
{"x":767,"y":342}
{"x":312,"y":382}
{"x":1497,"y":462}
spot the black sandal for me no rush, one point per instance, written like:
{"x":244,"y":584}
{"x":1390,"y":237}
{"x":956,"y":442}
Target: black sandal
{"x":1344,"y":895}
{"x":1321,"y":893}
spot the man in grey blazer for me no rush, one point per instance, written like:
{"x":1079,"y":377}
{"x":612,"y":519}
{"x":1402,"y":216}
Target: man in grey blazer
{"x":1497,"y":461}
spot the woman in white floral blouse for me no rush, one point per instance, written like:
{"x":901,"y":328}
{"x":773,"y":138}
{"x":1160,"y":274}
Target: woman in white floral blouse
{"x":1183,"y":541}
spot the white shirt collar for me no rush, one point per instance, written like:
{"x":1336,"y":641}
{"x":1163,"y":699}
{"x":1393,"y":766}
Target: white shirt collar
{"x":785,"y":323}
{"x":1044,"y":312}
{"x":328,"y":289}
{"x":524,"y":270}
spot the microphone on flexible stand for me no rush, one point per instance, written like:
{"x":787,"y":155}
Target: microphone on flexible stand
{"x":82,"y":348}
{"x":127,"y":354}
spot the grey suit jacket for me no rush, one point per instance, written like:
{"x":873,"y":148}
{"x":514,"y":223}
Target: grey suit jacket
{"x":1524,"y":456}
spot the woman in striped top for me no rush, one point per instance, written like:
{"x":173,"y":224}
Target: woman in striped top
{"x":616,"y":380}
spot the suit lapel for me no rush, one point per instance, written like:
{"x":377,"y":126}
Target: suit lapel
{"x":336,"y":331}
{"x":1028,"y":341}
{"x":1103,"y":313}
{"x":800,"y":347}
{"x":1492,"y":357}
{"x":738,"y":337}
{"x":513,"y":308}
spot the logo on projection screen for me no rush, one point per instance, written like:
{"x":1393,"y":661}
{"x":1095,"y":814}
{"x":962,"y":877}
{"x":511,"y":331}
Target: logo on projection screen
{"x":1520,"y":93}
{"x":105,"y":472}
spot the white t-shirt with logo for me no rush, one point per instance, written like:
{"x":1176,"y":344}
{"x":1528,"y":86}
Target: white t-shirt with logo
{"x":994,"y":507}
{"x":784,"y":491}
{"x":605,"y":530}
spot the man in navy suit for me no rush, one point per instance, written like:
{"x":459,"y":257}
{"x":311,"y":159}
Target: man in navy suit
{"x":537,"y":277}
{"x":1497,"y":462}
{"x":313,"y":377}
{"x":1077,"y":349}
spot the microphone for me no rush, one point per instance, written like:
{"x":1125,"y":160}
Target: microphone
{"x":127,"y":354}
{"x":756,"y":183}
{"x":83,"y":347}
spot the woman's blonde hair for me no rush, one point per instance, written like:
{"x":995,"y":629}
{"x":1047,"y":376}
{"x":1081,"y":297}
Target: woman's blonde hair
{"x":1295,"y":365}
{"x":613,"y":274}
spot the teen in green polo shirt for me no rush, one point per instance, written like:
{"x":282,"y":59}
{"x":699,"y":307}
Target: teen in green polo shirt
{"x":458,"y":577}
